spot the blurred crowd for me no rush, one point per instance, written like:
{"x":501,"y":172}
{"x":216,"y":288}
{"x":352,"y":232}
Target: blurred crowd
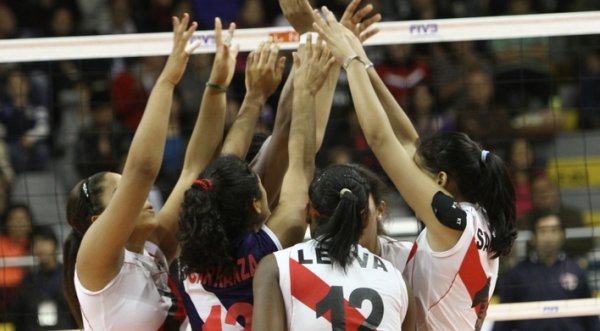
{"x":76,"y":117}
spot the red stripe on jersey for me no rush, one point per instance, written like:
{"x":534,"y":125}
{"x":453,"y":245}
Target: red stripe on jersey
{"x":310,"y":289}
{"x":475,"y":279}
{"x":412,"y":253}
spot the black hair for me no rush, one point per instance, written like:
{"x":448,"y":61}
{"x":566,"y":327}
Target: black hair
{"x":44,"y":232}
{"x":377,"y":187}
{"x":84,"y":202}
{"x":215,"y":213}
{"x":340,"y":195}
{"x":538,"y":215}
{"x":480,"y":178}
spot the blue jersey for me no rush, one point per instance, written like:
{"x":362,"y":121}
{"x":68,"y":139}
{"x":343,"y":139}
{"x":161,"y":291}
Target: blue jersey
{"x":225,"y":302}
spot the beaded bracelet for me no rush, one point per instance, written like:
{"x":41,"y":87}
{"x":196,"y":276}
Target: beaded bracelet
{"x":216,"y":87}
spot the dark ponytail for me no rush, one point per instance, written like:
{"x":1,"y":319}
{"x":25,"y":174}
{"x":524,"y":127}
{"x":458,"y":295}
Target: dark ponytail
{"x":497,"y":196}
{"x":481,"y":177}
{"x":83,"y":203}
{"x":216,"y":210}
{"x":340,"y":195}
{"x":70,"y":249}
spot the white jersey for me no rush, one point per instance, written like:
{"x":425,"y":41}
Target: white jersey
{"x":395,"y":251}
{"x":452,"y":288}
{"x":320,"y":296}
{"x":138,"y":298}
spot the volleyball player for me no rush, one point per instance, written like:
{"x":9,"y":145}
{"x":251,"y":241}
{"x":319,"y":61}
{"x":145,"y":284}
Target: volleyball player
{"x":117,"y":255}
{"x":462,"y":193}
{"x":331,"y":282}
{"x":226,"y":226}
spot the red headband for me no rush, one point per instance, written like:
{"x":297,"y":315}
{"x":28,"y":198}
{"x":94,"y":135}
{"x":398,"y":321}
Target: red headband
{"x":204,"y":183}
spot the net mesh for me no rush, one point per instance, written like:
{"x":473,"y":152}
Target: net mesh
{"x":527,"y":87}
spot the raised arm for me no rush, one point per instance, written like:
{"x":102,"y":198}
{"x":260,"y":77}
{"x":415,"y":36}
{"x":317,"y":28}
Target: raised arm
{"x":311,"y":66}
{"x":112,"y":229}
{"x":354,"y":20}
{"x":415,"y":186}
{"x":263,"y":74}
{"x":269,"y":308}
{"x":272,"y":163}
{"x":204,"y":141}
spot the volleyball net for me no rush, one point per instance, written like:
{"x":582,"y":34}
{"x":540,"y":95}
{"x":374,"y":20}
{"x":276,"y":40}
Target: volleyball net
{"x":540,"y":66}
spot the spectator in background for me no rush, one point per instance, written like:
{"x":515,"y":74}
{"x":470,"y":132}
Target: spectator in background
{"x":450,"y":63}
{"x":479,"y":116}
{"x":26,"y":125}
{"x":424,"y":113}
{"x":521,"y":66}
{"x":131,"y":88}
{"x":8,"y":23}
{"x":545,"y":198}
{"x":548,"y":274}
{"x":40,"y":303}
{"x":102,"y":144}
{"x":521,"y":158}
{"x":252,"y":14}
{"x":14,"y":242}
{"x":402,"y":71}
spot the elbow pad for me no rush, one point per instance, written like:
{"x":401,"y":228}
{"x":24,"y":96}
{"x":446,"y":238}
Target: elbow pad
{"x":448,"y":212}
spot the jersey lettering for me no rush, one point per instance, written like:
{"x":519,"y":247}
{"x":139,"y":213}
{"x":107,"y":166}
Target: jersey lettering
{"x":322,"y":257}
{"x":483,"y":240}
{"x":245,"y":269}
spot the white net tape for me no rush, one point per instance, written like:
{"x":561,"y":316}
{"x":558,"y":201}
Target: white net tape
{"x":443,"y":30}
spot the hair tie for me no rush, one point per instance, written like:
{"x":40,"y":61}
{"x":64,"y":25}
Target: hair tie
{"x":343,"y":191}
{"x":204,"y":183}
{"x":484,"y":154}
{"x":84,"y":189}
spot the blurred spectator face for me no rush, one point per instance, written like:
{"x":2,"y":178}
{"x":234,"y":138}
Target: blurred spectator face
{"x":62,"y":22}
{"x":120,"y":12}
{"x":518,"y":7}
{"x":479,"y":87}
{"x":8,"y":23}
{"x":544,"y":194}
{"x":18,"y":224}
{"x":422,"y":99}
{"x":593,"y":63}
{"x":17,"y":87}
{"x":103,"y":115}
{"x":252,"y":13}
{"x":45,"y":251}
{"x":521,"y":154}
{"x":339,"y":155}
{"x":399,"y":53}
{"x":548,"y":236}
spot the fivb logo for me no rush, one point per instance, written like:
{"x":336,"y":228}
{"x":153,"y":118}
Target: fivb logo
{"x":204,"y":39}
{"x":423,"y":29}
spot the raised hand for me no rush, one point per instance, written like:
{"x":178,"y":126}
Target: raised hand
{"x":264,"y":70}
{"x":353,"y":20}
{"x":177,"y":61}
{"x":298,"y":13}
{"x":312,"y":64}
{"x":225,"y":57}
{"x":342,"y":42}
